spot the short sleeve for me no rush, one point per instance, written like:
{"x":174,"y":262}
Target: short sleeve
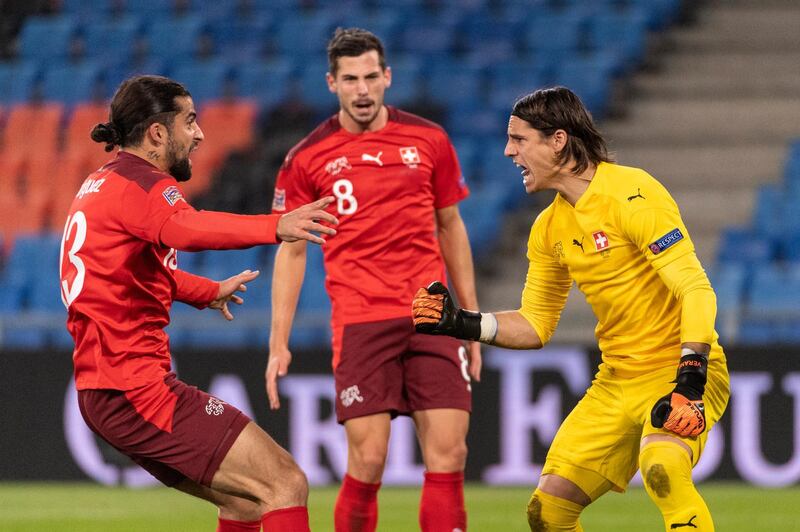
{"x":449,"y":186}
{"x":292,"y":188}
{"x":143,"y":212}
{"x":658,"y":230}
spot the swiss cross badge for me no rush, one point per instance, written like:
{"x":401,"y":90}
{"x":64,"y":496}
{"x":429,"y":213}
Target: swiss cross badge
{"x":410,"y":155}
{"x":600,"y":240}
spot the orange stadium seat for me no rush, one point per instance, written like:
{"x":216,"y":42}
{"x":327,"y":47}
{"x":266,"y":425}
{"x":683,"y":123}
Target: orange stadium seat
{"x":30,"y":143}
{"x":228,"y":126}
{"x":80,"y":157}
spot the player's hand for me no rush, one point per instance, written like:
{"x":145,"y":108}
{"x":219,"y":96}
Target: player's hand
{"x":475,"y":360}
{"x":299,"y":223}
{"x":228,"y":289}
{"x":278,"y":366}
{"x":434,"y":313}
{"x":682,"y":411}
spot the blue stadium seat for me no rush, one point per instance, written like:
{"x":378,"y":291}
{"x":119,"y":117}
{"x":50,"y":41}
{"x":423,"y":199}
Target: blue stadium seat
{"x":243,"y":39}
{"x":741,"y":245}
{"x":311,"y":325}
{"x":47,"y":39}
{"x":590,"y":81}
{"x":114,"y":38}
{"x":314,"y":87}
{"x":406,"y":80}
{"x":482,"y":212}
{"x":428,"y":36}
{"x":174,"y":39}
{"x":480,"y":122}
{"x":455,"y":85}
{"x":306,"y":35}
{"x":491,"y":38}
{"x":768,"y":212}
{"x":624,"y":33}
{"x":556,"y":34}
{"x":204,"y":79}
{"x":467,"y":149}
{"x":772,"y":314}
{"x":71,"y":83}
{"x":728,"y":281}
{"x":45,"y":290}
{"x":266,"y":82}
{"x":17,"y":81}
{"x":508,"y":81}
{"x":792,"y":168}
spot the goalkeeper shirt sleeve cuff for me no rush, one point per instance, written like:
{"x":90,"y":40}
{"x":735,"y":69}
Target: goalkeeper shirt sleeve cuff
{"x":191,"y":230}
{"x":195,"y":290}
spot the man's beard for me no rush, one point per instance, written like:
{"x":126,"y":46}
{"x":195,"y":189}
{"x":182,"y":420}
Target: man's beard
{"x":180,"y":169}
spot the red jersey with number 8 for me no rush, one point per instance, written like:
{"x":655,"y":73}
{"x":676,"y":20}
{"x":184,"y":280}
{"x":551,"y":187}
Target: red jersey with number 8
{"x":117,"y":280}
{"x":387,"y":184}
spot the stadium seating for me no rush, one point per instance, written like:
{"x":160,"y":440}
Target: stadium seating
{"x":471,"y":58}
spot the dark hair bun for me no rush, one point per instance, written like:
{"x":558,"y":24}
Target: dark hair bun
{"x":107,"y":133}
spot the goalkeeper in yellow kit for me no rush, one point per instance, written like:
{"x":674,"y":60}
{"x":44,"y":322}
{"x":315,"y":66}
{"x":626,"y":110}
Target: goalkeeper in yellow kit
{"x":663,"y":382}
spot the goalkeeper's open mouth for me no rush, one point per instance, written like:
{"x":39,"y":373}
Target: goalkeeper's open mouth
{"x":526,"y":174}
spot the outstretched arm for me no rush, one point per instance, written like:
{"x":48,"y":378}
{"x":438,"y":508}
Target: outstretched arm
{"x":435,"y":313}
{"x":191,"y":230}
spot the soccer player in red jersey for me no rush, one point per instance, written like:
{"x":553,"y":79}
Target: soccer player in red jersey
{"x":397,"y":183}
{"x":119,"y":276}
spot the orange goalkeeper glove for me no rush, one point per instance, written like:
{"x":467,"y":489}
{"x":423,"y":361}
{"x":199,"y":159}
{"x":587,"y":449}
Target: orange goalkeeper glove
{"x":683,"y":411}
{"x":434,"y":313}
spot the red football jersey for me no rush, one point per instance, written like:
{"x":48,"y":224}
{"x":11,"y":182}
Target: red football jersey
{"x":387,"y":184}
{"x":117,"y":280}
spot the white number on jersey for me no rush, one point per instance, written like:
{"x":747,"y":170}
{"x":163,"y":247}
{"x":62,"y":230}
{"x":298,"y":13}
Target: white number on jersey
{"x":462,"y":356}
{"x":346,"y":203}
{"x":171,"y":260}
{"x":69,"y":293}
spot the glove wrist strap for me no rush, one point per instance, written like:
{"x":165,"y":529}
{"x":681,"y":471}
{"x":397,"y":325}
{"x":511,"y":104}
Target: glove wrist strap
{"x":471,"y":325}
{"x":692,"y":372}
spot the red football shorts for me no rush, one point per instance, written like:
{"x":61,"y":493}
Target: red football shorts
{"x":385,"y":366}
{"x":171,"y":429}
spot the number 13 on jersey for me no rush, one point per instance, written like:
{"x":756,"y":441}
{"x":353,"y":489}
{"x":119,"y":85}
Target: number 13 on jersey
{"x":77,"y":222}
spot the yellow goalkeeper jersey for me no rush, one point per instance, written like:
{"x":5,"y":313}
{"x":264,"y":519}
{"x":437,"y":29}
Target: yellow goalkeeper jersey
{"x":621,"y":232}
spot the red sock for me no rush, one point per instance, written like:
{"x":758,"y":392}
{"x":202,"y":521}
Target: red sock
{"x":356,"y":506}
{"x":292,"y":519}
{"x":442,"y":506}
{"x":229,"y":525}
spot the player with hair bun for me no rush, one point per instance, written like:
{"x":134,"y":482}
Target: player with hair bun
{"x":119,"y":276}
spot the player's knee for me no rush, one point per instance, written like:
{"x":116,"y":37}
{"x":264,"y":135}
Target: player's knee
{"x":239,"y":509}
{"x":664,"y":466}
{"x":548,"y":513}
{"x":450,"y":457}
{"x":295,"y":484}
{"x":535,"y":520}
{"x":370,"y":458}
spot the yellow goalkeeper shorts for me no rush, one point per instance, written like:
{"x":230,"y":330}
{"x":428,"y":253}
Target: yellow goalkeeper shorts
{"x":602,"y":434}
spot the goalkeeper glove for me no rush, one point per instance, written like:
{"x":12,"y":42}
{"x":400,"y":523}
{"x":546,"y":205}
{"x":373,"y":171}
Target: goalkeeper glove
{"x":434,"y":313}
{"x":682,"y":411}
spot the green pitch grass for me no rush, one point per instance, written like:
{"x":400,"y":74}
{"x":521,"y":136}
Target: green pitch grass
{"x":91,"y":508}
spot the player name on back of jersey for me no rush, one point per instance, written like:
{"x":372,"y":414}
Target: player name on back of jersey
{"x":90,"y":186}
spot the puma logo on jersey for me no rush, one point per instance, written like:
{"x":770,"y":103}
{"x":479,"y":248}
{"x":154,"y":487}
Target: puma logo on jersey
{"x":680,"y":525}
{"x":373,"y":158}
{"x":637,"y":195}
{"x":576,"y":243}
